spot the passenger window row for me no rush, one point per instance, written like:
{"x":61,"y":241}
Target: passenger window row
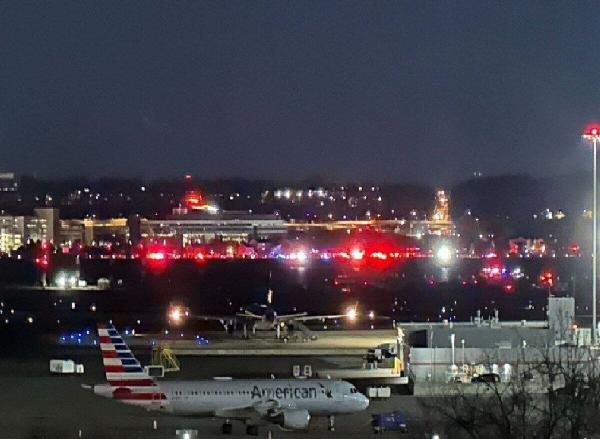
{"x":214,"y":392}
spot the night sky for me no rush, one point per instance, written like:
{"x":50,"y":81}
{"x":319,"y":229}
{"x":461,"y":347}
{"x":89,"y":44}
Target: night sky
{"x":384,"y":90}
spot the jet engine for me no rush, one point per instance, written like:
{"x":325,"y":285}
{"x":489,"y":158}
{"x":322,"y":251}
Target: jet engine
{"x":294,"y":419}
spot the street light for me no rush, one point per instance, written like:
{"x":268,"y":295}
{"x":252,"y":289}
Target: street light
{"x":592,"y":134}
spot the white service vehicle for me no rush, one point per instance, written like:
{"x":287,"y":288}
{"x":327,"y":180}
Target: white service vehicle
{"x":66,"y":367}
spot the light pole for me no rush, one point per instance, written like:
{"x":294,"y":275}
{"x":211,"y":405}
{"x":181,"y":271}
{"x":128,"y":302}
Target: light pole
{"x":592,"y":133}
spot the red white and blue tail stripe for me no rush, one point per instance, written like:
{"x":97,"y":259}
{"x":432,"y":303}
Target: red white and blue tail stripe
{"x":126,"y":378}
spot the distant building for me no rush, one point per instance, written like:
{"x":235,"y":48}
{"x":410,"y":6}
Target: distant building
{"x":184,"y":227}
{"x":9,"y":195}
{"x":93,"y":231}
{"x":439,"y":222}
{"x":18,"y":230}
{"x":52,"y":218}
{"x":441,"y":210}
{"x":71,"y":230}
{"x":527,"y":247}
{"x":438,"y":348}
{"x":11,"y":233}
{"x":200,"y":226}
{"x":8,"y":182}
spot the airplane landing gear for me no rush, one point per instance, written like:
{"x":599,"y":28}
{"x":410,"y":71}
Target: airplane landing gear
{"x":252,"y":430}
{"x":227,"y":428}
{"x":331,"y":423}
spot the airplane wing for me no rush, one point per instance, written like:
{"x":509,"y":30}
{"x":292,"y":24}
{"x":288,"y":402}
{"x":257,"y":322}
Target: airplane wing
{"x":288,"y":317}
{"x":259,"y":411}
{"x":240,"y":413}
{"x":221,"y":318}
{"x":249,"y":315}
{"x":305,"y":318}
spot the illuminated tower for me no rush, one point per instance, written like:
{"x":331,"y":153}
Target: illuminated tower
{"x":441,"y":210}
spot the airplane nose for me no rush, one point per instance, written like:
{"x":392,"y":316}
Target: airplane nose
{"x":364,"y":402}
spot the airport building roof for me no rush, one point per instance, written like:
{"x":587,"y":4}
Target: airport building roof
{"x":487,"y":337}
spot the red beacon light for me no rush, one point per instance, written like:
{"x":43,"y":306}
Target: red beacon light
{"x":592,"y":132}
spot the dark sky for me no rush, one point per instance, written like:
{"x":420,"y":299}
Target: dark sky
{"x":396,"y":90}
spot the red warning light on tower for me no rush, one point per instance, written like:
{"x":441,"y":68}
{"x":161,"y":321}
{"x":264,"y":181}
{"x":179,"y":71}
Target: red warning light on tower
{"x":592,"y":131}
{"x":192,"y":200}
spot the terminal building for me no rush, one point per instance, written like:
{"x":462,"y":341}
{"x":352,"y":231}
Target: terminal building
{"x":197,"y":221}
{"x":448,"y":351}
{"x":199,"y":227}
{"x":184,"y":228}
{"x":193,"y":221}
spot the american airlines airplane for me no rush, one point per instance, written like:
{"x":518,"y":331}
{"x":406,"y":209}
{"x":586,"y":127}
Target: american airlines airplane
{"x":289,"y":403}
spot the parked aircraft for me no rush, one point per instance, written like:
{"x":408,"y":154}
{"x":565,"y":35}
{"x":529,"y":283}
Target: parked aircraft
{"x":289,"y":403}
{"x":262,"y":317}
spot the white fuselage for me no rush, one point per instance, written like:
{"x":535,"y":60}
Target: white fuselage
{"x":207,"y":397}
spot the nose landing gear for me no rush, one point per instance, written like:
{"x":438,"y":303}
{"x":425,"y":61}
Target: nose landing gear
{"x":331,"y":426}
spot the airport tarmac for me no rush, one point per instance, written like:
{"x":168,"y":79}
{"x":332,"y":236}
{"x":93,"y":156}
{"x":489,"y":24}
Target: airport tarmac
{"x":35,"y":404}
{"x":58,"y":408}
{"x":326,"y":343}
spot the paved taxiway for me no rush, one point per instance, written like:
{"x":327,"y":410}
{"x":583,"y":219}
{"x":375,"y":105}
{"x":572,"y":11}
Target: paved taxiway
{"x":327,"y":343}
{"x":35,"y":404}
{"x":57,"y":408}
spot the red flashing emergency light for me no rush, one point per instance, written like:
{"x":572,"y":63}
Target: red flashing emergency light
{"x":42,"y":262}
{"x":156,"y":256}
{"x":547,"y":278}
{"x":357,"y":254}
{"x":574,"y":248}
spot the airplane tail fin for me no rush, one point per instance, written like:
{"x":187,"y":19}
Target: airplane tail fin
{"x":121,"y":367}
{"x":127,"y":381}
